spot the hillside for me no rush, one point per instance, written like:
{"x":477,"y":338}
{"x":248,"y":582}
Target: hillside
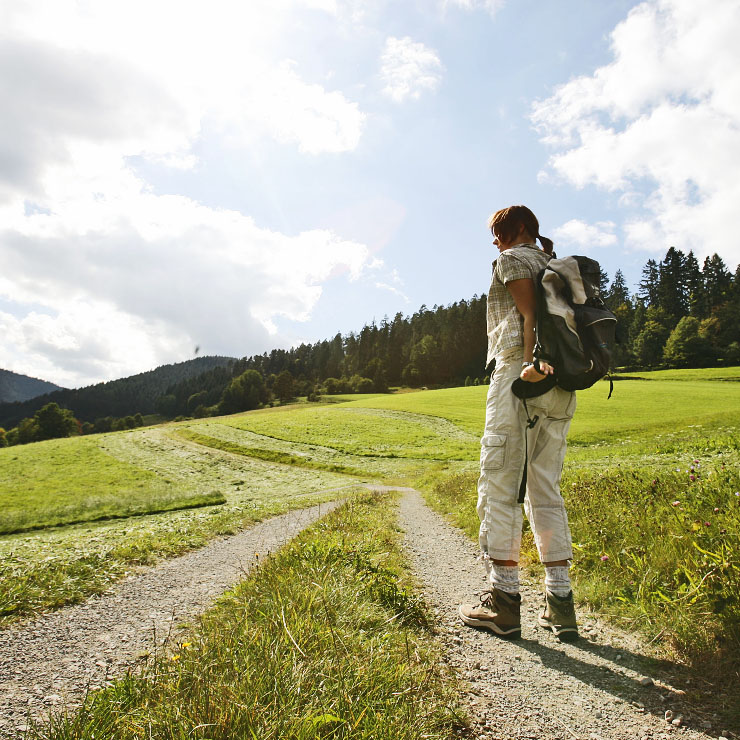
{"x":16,"y":387}
{"x":137,"y":393}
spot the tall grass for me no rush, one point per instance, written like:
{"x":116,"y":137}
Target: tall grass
{"x":656,"y":549}
{"x":324,"y":640}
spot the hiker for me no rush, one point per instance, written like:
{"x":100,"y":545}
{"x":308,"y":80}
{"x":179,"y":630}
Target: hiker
{"x":511,"y":339}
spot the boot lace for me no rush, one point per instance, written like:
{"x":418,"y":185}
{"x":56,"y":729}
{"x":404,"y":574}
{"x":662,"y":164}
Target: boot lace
{"x":488,"y":599}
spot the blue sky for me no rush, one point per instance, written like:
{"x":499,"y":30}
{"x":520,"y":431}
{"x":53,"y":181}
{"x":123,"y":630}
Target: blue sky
{"x":244,"y":176}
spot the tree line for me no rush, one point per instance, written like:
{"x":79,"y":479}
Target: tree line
{"x":680,"y":315}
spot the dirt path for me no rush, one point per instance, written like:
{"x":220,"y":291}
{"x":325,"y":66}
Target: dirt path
{"x":537,"y":687}
{"x":51,"y":660}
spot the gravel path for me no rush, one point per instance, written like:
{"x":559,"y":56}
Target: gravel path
{"x":51,"y":660}
{"x":534,"y":688}
{"x":537,"y":687}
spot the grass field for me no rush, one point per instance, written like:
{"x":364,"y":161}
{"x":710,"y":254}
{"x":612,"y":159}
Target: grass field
{"x":657,"y":542}
{"x":63,"y":564}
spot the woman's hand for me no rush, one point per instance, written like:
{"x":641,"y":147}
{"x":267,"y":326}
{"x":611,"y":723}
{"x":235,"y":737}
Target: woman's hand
{"x":530,"y":374}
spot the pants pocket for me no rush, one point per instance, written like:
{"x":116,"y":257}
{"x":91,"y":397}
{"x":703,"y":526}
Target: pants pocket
{"x":493,"y":451}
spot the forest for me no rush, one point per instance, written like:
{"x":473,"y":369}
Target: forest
{"x":681,"y":315}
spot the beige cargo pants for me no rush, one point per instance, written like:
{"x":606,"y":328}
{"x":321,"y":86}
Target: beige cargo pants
{"x":502,"y":464}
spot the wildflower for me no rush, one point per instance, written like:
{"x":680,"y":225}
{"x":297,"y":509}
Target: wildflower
{"x":716,"y":509}
{"x":696,"y":462}
{"x":737,"y":493}
{"x":175,"y":658}
{"x":675,"y":503}
{"x":707,"y":524}
{"x":655,"y":482}
{"x":692,"y":477}
{"x":604,"y":558}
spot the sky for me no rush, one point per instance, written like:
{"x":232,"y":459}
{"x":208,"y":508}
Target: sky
{"x":181,"y":177}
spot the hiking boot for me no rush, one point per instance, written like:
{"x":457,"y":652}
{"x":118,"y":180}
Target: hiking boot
{"x":497,"y":611}
{"x":560,"y":617}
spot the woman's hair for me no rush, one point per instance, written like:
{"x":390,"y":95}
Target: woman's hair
{"x":506,"y":222}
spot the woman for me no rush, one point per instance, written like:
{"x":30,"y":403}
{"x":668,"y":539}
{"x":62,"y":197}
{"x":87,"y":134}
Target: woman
{"x":511,"y":339}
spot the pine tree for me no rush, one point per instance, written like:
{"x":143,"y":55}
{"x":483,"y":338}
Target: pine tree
{"x":671,"y":292}
{"x":648,"y":292}
{"x":717,"y":281}
{"x":617,"y":294}
{"x":694,"y":282}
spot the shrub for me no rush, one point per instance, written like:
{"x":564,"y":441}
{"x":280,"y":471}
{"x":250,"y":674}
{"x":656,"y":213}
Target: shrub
{"x":244,"y":393}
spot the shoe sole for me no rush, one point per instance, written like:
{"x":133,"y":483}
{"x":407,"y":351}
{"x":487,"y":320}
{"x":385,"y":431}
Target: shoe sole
{"x":564,"y":634}
{"x":511,"y":633}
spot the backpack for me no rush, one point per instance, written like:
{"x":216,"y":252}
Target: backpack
{"x":575,"y":331}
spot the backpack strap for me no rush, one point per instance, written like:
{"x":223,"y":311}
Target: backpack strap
{"x":530,"y":423}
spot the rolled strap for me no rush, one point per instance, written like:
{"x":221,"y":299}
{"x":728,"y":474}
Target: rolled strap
{"x":529,"y":425}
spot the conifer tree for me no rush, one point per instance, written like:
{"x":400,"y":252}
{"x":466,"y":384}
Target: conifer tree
{"x":694,"y":282}
{"x":717,"y":280}
{"x":648,"y":291}
{"x":671,"y":291}
{"x":617,"y":294}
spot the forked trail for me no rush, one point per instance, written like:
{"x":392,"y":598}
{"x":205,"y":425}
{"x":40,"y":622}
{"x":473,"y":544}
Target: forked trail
{"x":532,"y":688}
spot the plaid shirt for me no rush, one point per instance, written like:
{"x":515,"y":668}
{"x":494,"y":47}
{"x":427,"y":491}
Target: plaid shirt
{"x":505,"y":323}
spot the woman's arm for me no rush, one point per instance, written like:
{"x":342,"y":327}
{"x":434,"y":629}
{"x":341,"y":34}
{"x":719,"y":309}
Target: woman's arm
{"x":525,"y":299}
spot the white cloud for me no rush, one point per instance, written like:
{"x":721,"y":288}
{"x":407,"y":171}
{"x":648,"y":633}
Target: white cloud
{"x":103,"y":276}
{"x":395,"y":286}
{"x":409,"y":68}
{"x":586,"y":236}
{"x":128,"y":280}
{"x":490,"y":6}
{"x":661,"y":120}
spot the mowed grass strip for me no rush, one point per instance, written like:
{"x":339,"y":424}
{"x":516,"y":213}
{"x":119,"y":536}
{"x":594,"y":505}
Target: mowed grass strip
{"x":324,"y":640}
{"x":66,"y":481}
{"x":349,"y":429}
{"x":275,"y":456}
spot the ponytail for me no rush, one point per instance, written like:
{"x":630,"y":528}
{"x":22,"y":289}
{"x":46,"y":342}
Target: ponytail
{"x":547,"y":244}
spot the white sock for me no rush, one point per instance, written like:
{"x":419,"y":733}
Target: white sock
{"x":505,"y":578}
{"x":557,"y":580}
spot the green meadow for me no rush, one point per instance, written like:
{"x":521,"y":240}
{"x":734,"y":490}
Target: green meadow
{"x":651,"y":481}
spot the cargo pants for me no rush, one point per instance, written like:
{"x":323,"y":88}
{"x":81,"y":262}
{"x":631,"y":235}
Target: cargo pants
{"x":502,"y":464}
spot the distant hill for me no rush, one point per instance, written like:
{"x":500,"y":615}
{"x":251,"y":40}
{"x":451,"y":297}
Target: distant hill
{"x":16,"y":387}
{"x":137,"y":393}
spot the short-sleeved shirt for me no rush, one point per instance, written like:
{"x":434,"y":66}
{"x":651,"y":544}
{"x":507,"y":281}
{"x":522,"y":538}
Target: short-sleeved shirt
{"x":505,"y":323}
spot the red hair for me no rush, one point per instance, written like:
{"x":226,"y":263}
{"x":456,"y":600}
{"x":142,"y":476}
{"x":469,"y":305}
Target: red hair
{"x":506,"y":222}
